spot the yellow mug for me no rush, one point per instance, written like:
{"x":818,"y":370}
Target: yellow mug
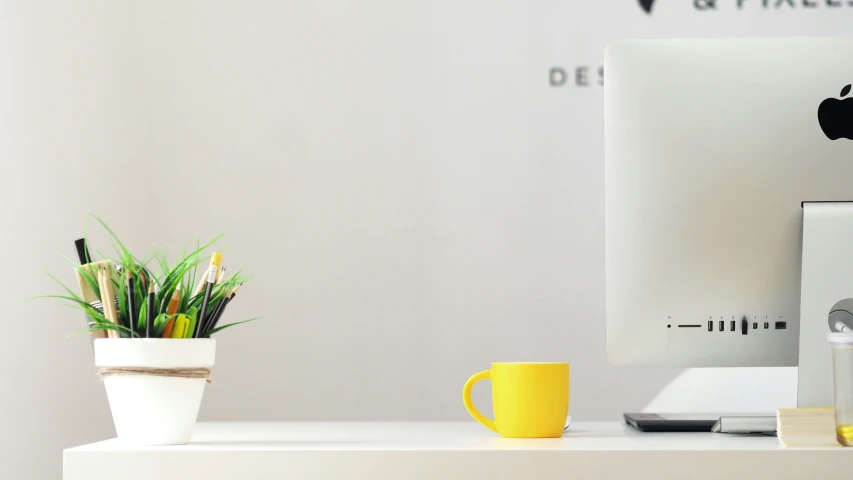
{"x":530,"y":400}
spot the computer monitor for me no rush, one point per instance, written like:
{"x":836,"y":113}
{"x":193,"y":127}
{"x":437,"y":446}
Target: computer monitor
{"x":711,"y":146}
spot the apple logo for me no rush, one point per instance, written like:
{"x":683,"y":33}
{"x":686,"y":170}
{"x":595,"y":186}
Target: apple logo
{"x":647,"y":5}
{"x":836,"y":116}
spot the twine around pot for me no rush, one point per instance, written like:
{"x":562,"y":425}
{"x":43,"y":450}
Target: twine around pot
{"x":198,"y":372}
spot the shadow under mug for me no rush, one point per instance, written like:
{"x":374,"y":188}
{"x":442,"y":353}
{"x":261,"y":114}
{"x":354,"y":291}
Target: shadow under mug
{"x":530,"y":400}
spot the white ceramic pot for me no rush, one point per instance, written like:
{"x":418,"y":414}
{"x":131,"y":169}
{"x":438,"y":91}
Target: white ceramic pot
{"x":154,"y":410}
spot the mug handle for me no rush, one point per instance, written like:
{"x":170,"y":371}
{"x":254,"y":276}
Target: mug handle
{"x":469,"y":404}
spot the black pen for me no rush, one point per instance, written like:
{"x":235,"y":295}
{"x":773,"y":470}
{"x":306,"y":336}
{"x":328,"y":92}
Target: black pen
{"x":83,"y":255}
{"x":82,"y":251}
{"x":216,"y":312}
{"x":132,"y":313}
{"x":149,"y":320}
{"x":212,"y":274}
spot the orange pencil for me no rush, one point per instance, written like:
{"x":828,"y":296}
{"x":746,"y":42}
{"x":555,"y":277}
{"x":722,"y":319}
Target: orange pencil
{"x":173,"y":309}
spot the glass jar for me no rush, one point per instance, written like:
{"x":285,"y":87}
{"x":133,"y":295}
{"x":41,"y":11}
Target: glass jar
{"x":842,"y":380}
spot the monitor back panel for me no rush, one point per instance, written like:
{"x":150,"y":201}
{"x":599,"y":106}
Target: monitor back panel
{"x":710,"y":148}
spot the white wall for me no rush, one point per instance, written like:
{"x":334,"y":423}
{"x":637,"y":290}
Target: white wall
{"x":415,"y":199}
{"x":388,"y":193}
{"x":68,"y":119}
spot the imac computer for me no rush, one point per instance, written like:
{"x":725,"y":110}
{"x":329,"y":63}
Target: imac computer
{"x":728,"y":164}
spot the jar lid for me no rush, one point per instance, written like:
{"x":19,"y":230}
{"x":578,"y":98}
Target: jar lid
{"x":838,"y":338}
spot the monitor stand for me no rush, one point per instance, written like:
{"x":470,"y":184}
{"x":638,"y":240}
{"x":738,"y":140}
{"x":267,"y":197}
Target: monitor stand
{"x":827,"y":287}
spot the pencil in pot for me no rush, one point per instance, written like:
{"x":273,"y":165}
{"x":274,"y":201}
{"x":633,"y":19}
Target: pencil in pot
{"x":108,"y":299}
{"x":102,"y":293}
{"x":213,"y":273}
{"x":171,"y":311}
{"x":111,"y":296}
{"x":149,"y":310}
{"x":132,"y":313}
{"x":124,"y":297}
{"x":216,"y":311}
{"x":221,"y":309}
{"x":202,"y":281}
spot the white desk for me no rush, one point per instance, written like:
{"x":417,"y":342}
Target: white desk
{"x":449,"y":451}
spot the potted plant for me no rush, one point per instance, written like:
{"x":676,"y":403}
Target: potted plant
{"x":153,"y":321}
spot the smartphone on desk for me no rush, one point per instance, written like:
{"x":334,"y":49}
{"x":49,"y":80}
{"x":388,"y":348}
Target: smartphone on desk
{"x":672,"y":422}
